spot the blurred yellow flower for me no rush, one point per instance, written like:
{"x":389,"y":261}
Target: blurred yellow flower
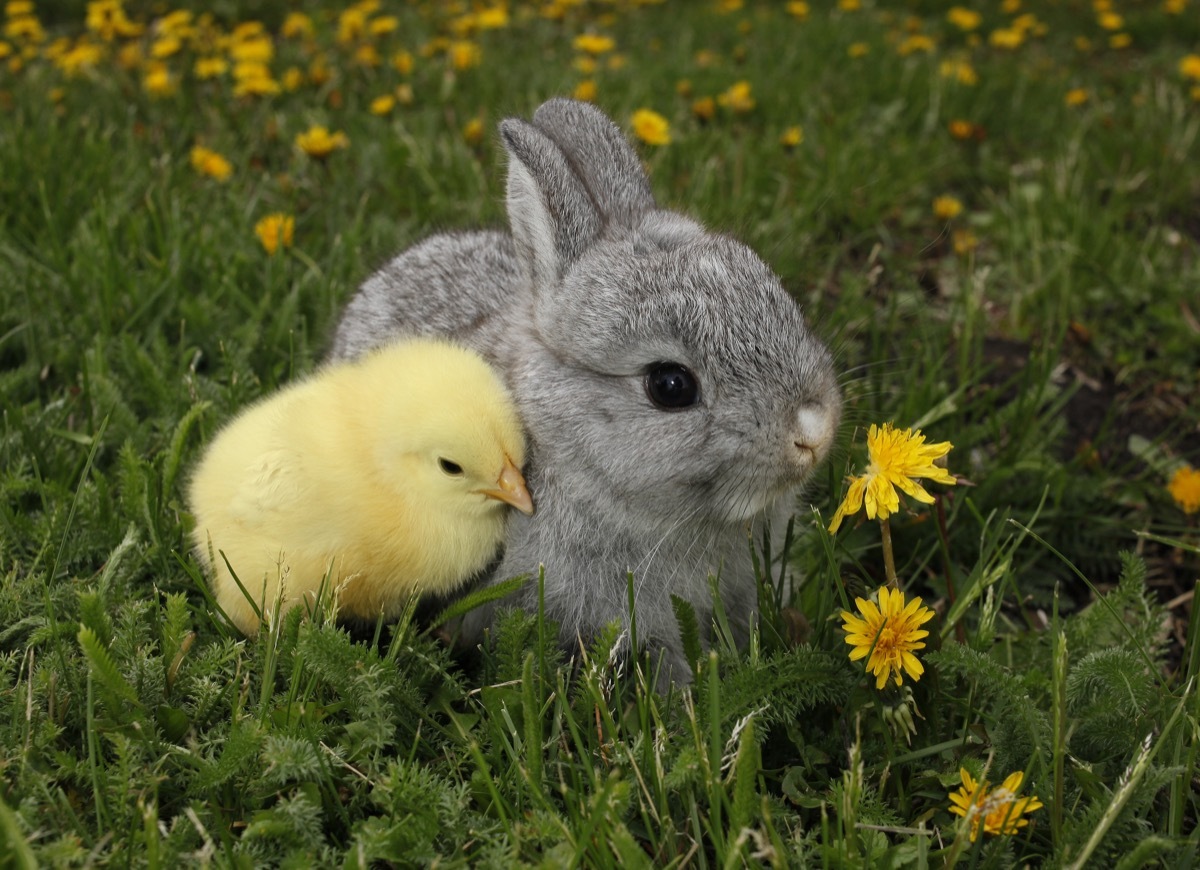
{"x":964,"y":19}
{"x":1110,"y":20}
{"x":896,"y":458}
{"x":107,"y":19}
{"x":617,"y":61}
{"x":960,"y":71}
{"x":382,"y":105}
{"x":5,"y":49}
{"x":210,"y":163}
{"x":961,"y":129}
{"x":1174,"y":7}
{"x":293,"y":78}
{"x":849,"y":5}
{"x":963,"y":241}
{"x":914,"y":43}
{"x":684,"y":88}
{"x":473,"y":131}
{"x":792,"y":136}
{"x":404,"y":94}
{"x":798,"y":9}
{"x":586,"y":90}
{"x":727,"y":6}
{"x":253,"y":79}
{"x":164,"y":47}
{"x":367,"y":55}
{"x":1008,"y":7}
{"x":402,"y":62}
{"x":1185,"y":489}
{"x":17,"y":8}
{"x":383,"y":25}
{"x":737,"y":98}
{"x":1189,"y":67}
{"x":858,"y":49}
{"x":1076,"y":97}
{"x":947,"y":207}
{"x":492,"y":19}
{"x":1006,"y":37}
{"x":296,"y":25}
{"x":592,"y":43}
{"x":158,"y":81}
{"x":210,"y":67}
{"x":704,"y":108}
{"x":465,"y":54}
{"x":887,"y":634}
{"x":1120,"y":40}
{"x":256,"y":49}
{"x":317,"y":142}
{"x":24,"y":28}
{"x":651,"y":127}
{"x":275,"y":231}
{"x":998,"y":811}
{"x":83,"y":56}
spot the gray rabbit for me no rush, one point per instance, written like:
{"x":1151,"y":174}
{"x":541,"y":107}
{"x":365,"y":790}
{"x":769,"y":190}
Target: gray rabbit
{"x":673,"y":395}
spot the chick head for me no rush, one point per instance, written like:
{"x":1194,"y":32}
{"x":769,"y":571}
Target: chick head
{"x":451,"y":429}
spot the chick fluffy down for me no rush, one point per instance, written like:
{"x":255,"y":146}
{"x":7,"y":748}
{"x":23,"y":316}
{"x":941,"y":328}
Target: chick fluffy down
{"x":345,"y":474}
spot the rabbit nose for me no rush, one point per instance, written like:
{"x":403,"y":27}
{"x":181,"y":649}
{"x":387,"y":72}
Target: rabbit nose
{"x":813,"y":432}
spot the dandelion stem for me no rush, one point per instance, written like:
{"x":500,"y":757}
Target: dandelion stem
{"x":889,"y":560}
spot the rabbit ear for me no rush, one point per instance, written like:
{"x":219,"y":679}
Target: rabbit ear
{"x":553,"y":218}
{"x":600,"y":155}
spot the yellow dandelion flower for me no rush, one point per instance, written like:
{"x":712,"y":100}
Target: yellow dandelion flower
{"x":383,"y":25}
{"x":704,"y":108}
{"x":792,"y":136}
{"x":24,"y":28}
{"x":964,"y":19}
{"x":352,"y":26}
{"x":17,"y":8}
{"x":897,"y":458}
{"x":959,"y":70}
{"x":319,"y":71}
{"x":1076,"y":97}
{"x":849,"y":5}
{"x":293,"y":79}
{"x":1185,"y":489}
{"x":258,"y":49}
{"x":473,"y":131}
{"x":1008,"y":7}
{"x":83,"y":56}
{"x":913,"y":44}
{"x":858,"y":49}
{"x":1110,"y":20}
{"x":317,"y":142}
{"x":586,"y":90}
{"x":275,"y":231}
{"x":404,"y":94}
{"x":1006,"y":37}
{"x":367,"y":55}
{"x":1189,"y":67}
{"x":1174,"y":7}
{"x":402,"y":62}
{"x":961,"y":129}
{"x":382,"y":105}
{"x":164,"y":47}
{"x":651,"y":127}
{"x":492,"y":19}
{"x":464,"y":54}
{"x":296,"y":25}
{"x":210,"y":67}
{"x":684,"y":88}
{"x":158,"y":81}
{"x":964,"y":241}
{"x":210,"y":163}
{"x":737,"y":98}
{"x":995,"y":811}
{"x":1120,"y":40}
{"x":798,"y":9}
{"x":592,"y":43}
{"x":5,"y":50}
{"x":887,"y":634}
{"x":947,"y":207}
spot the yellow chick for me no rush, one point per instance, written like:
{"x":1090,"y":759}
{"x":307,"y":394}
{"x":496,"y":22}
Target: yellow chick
{"x":390,"y":474}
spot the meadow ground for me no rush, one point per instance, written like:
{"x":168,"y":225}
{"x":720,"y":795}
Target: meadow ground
{"x":993,"y":216}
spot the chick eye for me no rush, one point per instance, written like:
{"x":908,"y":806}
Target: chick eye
{"x":452,"y":468}
{"x":671,"y":386}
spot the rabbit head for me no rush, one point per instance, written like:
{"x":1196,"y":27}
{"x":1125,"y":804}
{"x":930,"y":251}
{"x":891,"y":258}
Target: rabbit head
{"x":667,"y":365}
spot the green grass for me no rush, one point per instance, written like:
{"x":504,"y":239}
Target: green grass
{"x":138,"y":312}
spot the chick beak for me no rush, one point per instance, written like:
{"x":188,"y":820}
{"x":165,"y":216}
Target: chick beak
{"x":511,"y":488}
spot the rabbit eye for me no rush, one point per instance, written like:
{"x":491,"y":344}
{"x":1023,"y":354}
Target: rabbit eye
{"x":451,"y":468}
{"x":671,"y":386}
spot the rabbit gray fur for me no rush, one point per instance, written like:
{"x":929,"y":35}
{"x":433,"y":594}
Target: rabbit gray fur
{"x":594,"y":286}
